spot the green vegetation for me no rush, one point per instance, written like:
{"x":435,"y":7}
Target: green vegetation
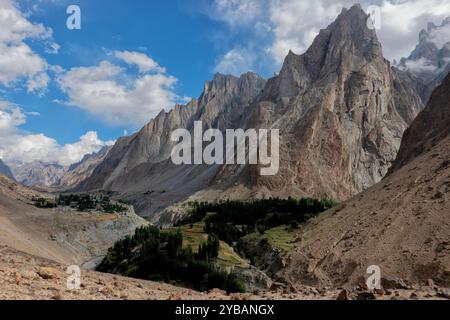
{"x":198,"y":250}
{"x":157,"y":255}
{"x":89,"y":202}
{"x":281,"y":238}
{"x":194,"y":235}
{"x":232,"y":220}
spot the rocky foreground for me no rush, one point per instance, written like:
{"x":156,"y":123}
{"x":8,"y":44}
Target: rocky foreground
{"x":26,"y":277}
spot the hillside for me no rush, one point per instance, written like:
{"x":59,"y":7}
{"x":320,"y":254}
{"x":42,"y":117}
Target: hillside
{"x":401,"y":224}
{"x":59,"y":234}
{"x":5,"y":170}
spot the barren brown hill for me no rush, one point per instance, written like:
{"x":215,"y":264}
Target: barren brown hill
{"x":62,"y":235}
{"x":402,"y":224}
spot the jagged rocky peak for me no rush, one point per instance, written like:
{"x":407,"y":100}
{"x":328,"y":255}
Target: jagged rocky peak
{"x":246,"y":87}
{"x":346,"y":44}
{"x":351,"y":29}
{"x":345,"y":106}
{"x":429,"y":63}
{"x":432,"y":54}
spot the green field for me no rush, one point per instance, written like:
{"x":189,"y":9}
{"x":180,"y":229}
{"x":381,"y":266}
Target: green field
{"x":280,"y":237}
{"x":195,"y":235}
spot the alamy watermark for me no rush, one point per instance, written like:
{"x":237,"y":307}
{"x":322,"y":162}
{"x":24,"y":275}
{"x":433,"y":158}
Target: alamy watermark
{"x":374,"y":280}
{"x":74,"y":20}
{"x":74,"y":278}
{"x":241,"y":147}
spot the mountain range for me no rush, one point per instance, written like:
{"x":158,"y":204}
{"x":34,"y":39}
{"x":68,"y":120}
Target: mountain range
{"x":341,"y":109}
{"x":53,"y":176}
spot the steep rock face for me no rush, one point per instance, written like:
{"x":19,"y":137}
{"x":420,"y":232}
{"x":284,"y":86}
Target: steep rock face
{"x":340,"y":108}
{"x":401,"y":224}
{"x":429,"y":62}
{"x":5,"y":170}
{"x":140,"y":165}
{"x":429,"y":128}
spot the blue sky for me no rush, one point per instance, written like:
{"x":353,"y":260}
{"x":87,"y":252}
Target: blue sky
{"x":131,"y":59}
{"x":173,"y":33}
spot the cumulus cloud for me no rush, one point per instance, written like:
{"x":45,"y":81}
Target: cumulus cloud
{"x":236,"y":62}
{"x":293,"y":24}
{"x":17,"y":60}
{"x":142,"y":61}
{"x":16,"y":145}
{"x":112,"y":93}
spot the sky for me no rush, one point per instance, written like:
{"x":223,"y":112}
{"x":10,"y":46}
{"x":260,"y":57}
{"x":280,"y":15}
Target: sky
{"x":66,"y":93}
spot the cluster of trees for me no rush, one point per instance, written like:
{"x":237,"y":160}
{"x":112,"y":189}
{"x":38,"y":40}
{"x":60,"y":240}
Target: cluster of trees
{"x":209,"y":250}
{"x":231,"y":220}
{"x":87,"y":202}
{"x":43,"y":202}
{"x":160,"y":256}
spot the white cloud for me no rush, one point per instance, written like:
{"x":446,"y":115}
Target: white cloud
{"x":420,"y":65}
{"x":10,"y":117}
{"x":293,"y":24}
{"x":401,"y":23}
{"x":236,"y":62}
{"x":440,"y":35}
{"x":17,"y":59}
{"x":16,"y":145}
{"x":141,"y":60}
{"x":110,"y":93}
{"x":236,"y":12}
{"x":88,"y":143}
{"x":296,"y":23}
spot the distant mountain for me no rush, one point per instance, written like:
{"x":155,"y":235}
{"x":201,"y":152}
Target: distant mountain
{"x":55,"y":176}
{"x":340,"y":107}
{"x":78,"y":172}
{"x":401,"y":224}
{"x":37,"y":173}
{"x":430,"y":60}
{"x":5,"y":170}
